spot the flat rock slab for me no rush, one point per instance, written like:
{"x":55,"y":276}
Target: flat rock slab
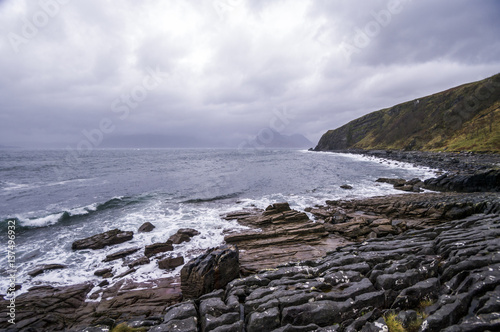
{"x":280,"y":235}
{"x":99,"y":241}
{"x":41,"y":269}
{"x":377,"y":217}
{"x":157,"y":248}
{"x":120,"y":254}
{"x":48,"y":308}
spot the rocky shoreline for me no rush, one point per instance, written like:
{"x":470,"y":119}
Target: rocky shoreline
{"x":427,"y":261}
{"x":451,"y":162}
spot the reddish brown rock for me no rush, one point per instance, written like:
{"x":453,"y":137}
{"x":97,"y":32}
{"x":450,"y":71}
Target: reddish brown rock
{"x":279,"y":235}
{"x":170,"y":263}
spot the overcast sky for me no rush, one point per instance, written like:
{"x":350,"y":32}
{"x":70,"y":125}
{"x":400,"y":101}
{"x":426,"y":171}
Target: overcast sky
{"x":226,"y":70}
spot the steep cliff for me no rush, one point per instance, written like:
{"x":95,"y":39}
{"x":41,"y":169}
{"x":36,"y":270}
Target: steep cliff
{"x":464,"y":118}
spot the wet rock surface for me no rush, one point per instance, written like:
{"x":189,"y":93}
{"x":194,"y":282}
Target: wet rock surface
{"x":445,"y":277}
{"x":50,"y":308}
{"x":41,"y":269}
{"x":464,"y":172}
{"x":475,"y":182}
{"x":99,"y":241}
{"x":379,"y":217}
{"x":157,"y":248}
{"x":212,"y":270}
{"x":183,"y":235}
{"x":464,"y":162}
{"x":279,"y":235}
{"x":146,"y":227}
{"x":440,"y":275}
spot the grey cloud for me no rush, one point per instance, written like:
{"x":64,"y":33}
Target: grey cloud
{"x":227,"y":65}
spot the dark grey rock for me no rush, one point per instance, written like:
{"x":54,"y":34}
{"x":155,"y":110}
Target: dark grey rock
{"x":479,"y":323}
{"x":99,"y":241}
{"x":214,"y":307}
{"x":120,"y":254}
{"x":378,"y":326}
{"x":41,"y":269}
{"x":209,"y":323}
{"x":291,"y":328}
{"x":490,"y":302}
{"x":102,"y":272}
{"x":157,"y":248}
{"x":146,"y":227}
{"x":235,"y":327}
{"x":212,"y":270}
{"x":447,"y":314}
{"x":126,"y":273}
{"x":183,"y":235}
{"x":398,"y":280}
{"x":140,"y":261}
{"x":411,"y":296}
{"x":358,"y":324}
{"x":185,"y":325}
{"x":263,"y":321}
{"x":407,"y":317}
{"x":181,"y":311}
{"x":95,"y":329}
{"x":322,"y":313}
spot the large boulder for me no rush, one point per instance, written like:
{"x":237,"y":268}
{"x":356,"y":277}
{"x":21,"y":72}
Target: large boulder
{"x":477,"y":182}
{"x":212,"y":270}
{"x":146,"y":227}
{"x":99,"y":241}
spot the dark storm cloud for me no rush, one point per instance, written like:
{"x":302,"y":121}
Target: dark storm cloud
{"x":222,"y":70}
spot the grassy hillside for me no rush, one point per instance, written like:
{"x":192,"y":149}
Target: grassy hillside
{"x":464,"y":118}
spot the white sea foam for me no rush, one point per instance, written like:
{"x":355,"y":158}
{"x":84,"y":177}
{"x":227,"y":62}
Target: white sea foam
{"x":81,"y":264}
{"x":11,"y":186}
{"x":421,"y":171}
{"x":51,"y":219}
{"x":29,"y":220}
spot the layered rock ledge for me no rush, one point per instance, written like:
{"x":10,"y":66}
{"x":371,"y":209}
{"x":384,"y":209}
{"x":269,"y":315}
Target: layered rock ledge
{"x":443,"y":278}
{"x":279,"y":235}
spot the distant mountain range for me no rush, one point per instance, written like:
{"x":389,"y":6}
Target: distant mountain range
{"x":153,"y":141}
{"x":8,"y":147}
{"x":271,"y":139}
{"x":464,"y":118}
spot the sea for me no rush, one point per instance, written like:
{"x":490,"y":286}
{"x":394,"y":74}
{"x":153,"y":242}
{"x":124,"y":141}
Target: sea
{"x":54,"y":198}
